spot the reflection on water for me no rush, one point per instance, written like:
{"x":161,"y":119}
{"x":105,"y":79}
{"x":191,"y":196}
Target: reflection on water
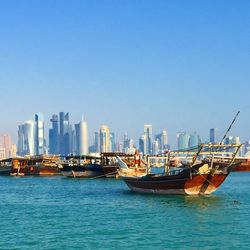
{"x":196,"y":203}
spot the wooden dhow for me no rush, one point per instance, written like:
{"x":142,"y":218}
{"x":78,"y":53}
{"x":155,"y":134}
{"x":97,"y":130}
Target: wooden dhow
{"x":206,"y":171}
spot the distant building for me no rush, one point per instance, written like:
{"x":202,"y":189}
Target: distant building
{"x":104,"y":139}
{"x":112,"y":142}
{"x":39,"y":134}
{"x":26,"y":138}
{"x":5,"y":143}
{"x":2,"y":153}
{"x":194,"y":140}
{"x":13,"y":150}
{"x":162,"y":140}
{"x":213,"y":135}
{"x":120,"y":146}
{"x":246,"y":148}
{"x":229,"y":140}
{"x":148,"y":132}
{"x":142,"y":144}
{"x":82,"y":145}
{"x":182,"y":141}
{"x":54,"y":136}
{"x":97,"y":142}
{"x":128,"y":144}
{"x":156,"y":147}
{"x":65,"y":134}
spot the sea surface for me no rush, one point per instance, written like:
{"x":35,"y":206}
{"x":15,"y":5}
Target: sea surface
{"x":64,"y":213}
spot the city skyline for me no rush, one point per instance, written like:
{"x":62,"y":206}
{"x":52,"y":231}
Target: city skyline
{"x":48,"y":128}
{"x":65,"y":138}
{"x":180,"y":65}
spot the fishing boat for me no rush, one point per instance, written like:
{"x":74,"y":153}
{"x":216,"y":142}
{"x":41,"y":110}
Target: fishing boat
{"x":5,"y":166}
{"x":40,"y":165}
{"x":82,"y":167}
{"x":201,"y":176}
{"x":110,"y":165}
{"x":243,"y":167}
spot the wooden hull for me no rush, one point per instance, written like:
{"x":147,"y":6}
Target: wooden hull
{"x":185,"y":185}
{"x":110,"y":171}
{"x":243,"y":167}
{"x":86,"y":171}
{"x":36,"y":171}
{"x":5,"y":170}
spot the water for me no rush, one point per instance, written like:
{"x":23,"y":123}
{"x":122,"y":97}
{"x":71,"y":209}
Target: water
{"x":61,"y":213}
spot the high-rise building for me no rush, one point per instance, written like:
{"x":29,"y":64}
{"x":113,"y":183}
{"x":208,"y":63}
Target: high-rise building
{"x":26,"y":138}
{"x":162,"y":140}
{"x":182,"y":140}
{"x":194,"y":140}
{"x":2,"y":153}
{"x":246,"y":149}
{"x":5,"y":143}
{"x":39,"y":134}
{"x":149,"y":136}
{"x":104,"y":139}
{"x":112,"y":142}
{"x":128,"y":144}
{"x":213,"y":135}
{"x":82,"y":147}
{"x":120,"y":147}
{"x":142,"y":144}
{"x":13,"y":150}
{"x":65,"y":134}
{"x":97,"y":142}
{"x":54,"y":136}
{"x":229,"y":140}
{"x":156,"y":147}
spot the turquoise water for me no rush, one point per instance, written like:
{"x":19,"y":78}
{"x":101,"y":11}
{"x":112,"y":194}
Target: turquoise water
{"x":61,"y":213}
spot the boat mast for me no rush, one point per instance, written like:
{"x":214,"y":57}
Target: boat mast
{"x":229,"y":128}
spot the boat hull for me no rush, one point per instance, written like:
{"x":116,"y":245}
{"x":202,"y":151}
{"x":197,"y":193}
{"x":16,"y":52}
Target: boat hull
{"x":86,"y":171}
{"x":5,"y":170}
{"x":243,"y":167}
{"x":197,"y":185}
{"x":110,"y":171}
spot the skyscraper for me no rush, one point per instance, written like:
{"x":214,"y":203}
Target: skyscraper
{"x":65,"y":134}
{"x":97,"y":142}
{"x":142,"y":144}
{"x":54,"y":136}
{"x":82,"y":147}
{"x":149,"y":134}
{"x":39,"y":134}
{"x":194,"y":140}
{"x":104,"y":139}
{"x":112,"y":141}
{"x":213,"y":135}
{"x":162,"y":140}
{"x":26,"y":138}
{"x":2,"y":153}
{"x":182,"y":140}
{"x":5,"y":143}
{"x":156,"y":148}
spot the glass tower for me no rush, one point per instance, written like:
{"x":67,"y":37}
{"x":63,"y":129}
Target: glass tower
{"x":54,"y":136}
{"x":39,"y":134}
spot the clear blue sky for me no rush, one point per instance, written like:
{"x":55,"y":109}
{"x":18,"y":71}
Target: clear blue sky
{"x":179,"y":65}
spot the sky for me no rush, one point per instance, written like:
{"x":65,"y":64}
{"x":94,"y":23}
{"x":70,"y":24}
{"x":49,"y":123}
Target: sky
{"x":178,"y":65}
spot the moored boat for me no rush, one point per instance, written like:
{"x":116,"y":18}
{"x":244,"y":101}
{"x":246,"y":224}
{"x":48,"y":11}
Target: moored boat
{"x":42,"y":165}
{"x":202,"y":176}
{"x":244,"y":166}
{"x":81,"y":167}
{"x":109,"y":162}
